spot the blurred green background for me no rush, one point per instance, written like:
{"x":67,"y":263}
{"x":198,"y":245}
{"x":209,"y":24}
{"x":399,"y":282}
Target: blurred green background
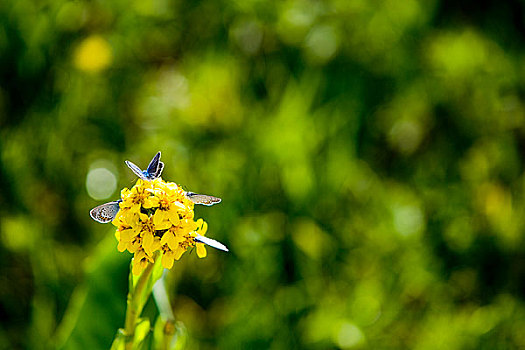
{"x":368,"y":154}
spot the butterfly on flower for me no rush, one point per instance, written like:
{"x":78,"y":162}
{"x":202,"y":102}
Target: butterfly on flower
{"x":153,"y":171}
{"x":108,"y":212}
{"x":203,"y":199}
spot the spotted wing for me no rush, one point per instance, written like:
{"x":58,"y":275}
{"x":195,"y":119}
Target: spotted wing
{"x":136,"y":170}
{"x":106,"y":212}
{"x":153,"y":167}
{"x":211,"y":242}
{"x":202,"y":198}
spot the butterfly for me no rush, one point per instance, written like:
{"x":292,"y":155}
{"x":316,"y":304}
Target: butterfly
{"x":203,"y":199}
{"x":106,"y":212}
{"x":153,"y":171}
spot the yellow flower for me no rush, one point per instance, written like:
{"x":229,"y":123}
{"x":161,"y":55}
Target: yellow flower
{"x":157,"y":216}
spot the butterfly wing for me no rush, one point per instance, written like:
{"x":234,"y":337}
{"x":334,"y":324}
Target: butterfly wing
{"x":153,"y":167}
{"x":211,"y":242}
{"x":106,"y":212}
{"x":203,"y":199}
{"x":136,"y":170}
{"x":158,"y":173}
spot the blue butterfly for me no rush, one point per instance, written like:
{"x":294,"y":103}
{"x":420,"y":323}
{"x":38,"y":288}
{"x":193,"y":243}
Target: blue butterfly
{"x":153,"y":171}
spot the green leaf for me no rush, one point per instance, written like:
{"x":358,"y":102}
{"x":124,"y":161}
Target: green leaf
{"x":142,"y":329}
{"x":119,"y":342}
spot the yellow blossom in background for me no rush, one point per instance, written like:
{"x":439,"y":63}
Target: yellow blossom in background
{"x":157,"y":216}
{"x":93,"y":54}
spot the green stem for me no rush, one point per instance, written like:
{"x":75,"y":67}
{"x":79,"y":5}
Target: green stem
{"x":135,"y":305}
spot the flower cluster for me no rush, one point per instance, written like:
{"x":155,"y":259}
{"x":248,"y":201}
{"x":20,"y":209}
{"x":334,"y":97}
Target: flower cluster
{"x":157,"y":216}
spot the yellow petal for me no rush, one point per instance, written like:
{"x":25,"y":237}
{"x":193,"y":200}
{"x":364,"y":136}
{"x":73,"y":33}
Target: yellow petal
{"x":151,"y":202}
{"x":143,"y":217}
{"x":122,"y":246}
{"x":168,"y":238}
{"x":167,"y":260}
{"x":135,"y":208}
{"x":164,"y":225}
{"x":191,"y":225}
{"x":124,"y":194}
{"x":147,"y":242}
{"x":201,"y":250}
{"x":138,"y":267}
{"x":174,"y":220}
{"x":118,"y":218}
{"x":156,"y":244}
{"x":179,"y":206}
{"x":149,"y":258}
{"x":178,"y":253}
{"x":158,"y":218}
{"x":139,"y":262}
{"x":133,"y":247}
{"x":173,"y":216}
{"x":126,"y":235}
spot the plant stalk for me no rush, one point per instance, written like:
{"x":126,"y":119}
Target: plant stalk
{"x":134,"y":307}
